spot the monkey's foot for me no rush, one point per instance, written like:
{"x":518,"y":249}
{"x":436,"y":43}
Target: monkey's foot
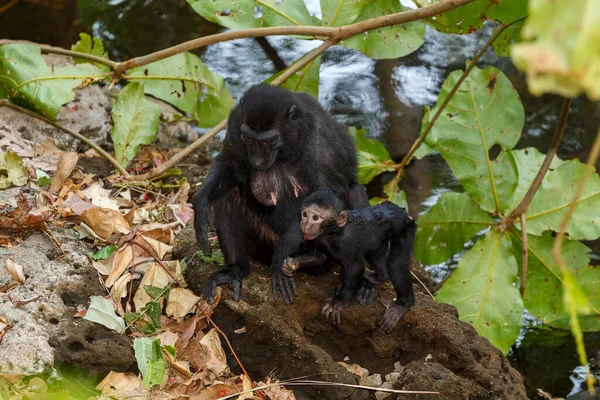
{"x":367,"y":292}
{"x":332,"y":308}
{"x":289,"y":266}
{"x":284,"y":284}
{"x":392,"y":315}
{"x":225,"y":275}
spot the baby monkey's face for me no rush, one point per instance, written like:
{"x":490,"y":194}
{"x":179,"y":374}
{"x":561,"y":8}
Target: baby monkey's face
{"x":311,"y":221}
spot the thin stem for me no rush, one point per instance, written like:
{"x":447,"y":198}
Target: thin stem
{"x":524,"y":255}
{"x":79,"y":136}
{"x":556,"y":139}
{"x":560,"y":261}
{"x":421,"y":138}
{"x":177,"y":158}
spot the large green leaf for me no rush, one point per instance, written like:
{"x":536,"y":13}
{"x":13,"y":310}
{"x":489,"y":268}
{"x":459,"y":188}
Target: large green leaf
{"x":25,"y":78}
{"x":90,"y":46}
{"x":543,"y":295}
{"x":470,"y":17}
{"x":528,"y":162}
{"x":482,"y":288}
{"x":12,"y":171}
{"x":428,"y":145}
{"x":447,"y":226}
{"x":394,"y":195}
{"x":245,"y":14}
{"x":484,"y":111}
{"x":135,"y":122}
{"x":341,"y":12}
{"x":185,"y":82}
{"x":550,"y":203}
{"x":392,"y":42}
{"x":562,"y":54}
{"x":510,"y":36}
{"x":373,"y":158}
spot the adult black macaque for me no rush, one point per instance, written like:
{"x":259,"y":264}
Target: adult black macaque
{"x":382,"y":236}
{"x":279,"y":147}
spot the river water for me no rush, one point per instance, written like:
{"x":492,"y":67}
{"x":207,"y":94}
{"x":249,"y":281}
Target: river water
{"x":384,"y":97}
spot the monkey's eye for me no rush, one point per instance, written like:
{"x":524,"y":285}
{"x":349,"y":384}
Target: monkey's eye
{"x":315,"y":217}
{"x":304,"y":214}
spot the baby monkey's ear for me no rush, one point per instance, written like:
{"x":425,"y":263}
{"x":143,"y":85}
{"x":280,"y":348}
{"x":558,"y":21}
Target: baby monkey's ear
{"x":342,"y":218}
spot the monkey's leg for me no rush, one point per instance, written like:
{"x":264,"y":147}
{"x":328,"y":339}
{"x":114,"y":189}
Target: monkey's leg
{"x":367,"y":291}
{"x":232,"y":231}
{"x":398,"y":269}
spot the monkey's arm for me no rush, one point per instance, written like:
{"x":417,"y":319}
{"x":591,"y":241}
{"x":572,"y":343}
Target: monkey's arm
{"x":216,"y":183}
{"x":287,"y":244}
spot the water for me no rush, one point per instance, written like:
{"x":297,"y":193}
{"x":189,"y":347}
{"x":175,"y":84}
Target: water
{"x":385,"y":97}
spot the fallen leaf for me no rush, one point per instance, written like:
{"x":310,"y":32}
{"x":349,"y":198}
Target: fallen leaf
{"x":123,"y":385}
{"x":15,"y":270}
{"x":76,"y":205}
{"x":247,"y":385}
{"x":181,"y":301}
{"x":159,"y":248}
{"x":279,"y":393}
{"x":216,"y":362}
{"x":66,"y":163}
{"x":104,"y":222}
{"x":155,"y":276}
{"x":102,"y":312}
{"x":121,"y":259}
{"x":355,"y":369}
{"x":100,"y":197}
{"x":241,"y":330}
{"x":120,"y":290}
{"x":15,"y":171}
{"x":215,"y":392}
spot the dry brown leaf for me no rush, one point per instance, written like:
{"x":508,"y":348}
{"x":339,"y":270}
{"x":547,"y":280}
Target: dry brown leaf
{"x":241,"y":330}
{"x":121,"y":260}
{"x":104,"y":222}
{"x":181,"y":302}
{"x":100,"y":197}
{"x":91,"y":153}
{"x":130,"y":214}
{"x":215,"y":392}
{"x":246,"y":385}
{"x":159,"y":248}
{"x":155,"y":276}
{"x":216,"y":362}
{"x":279,"y":393}
{"x":66,"y":163}
{"x":186,"y":334}
{"x":183,"y":367}
{"x":76,"y":205}
{"x":121,"y":385}
{"x":355,"y":369}
{"x":15,"y":270}
{"x":102,"y":266}
{"x":120,"y":290}
{"x":161,"y":232}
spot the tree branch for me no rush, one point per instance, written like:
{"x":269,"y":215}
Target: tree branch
{"x":524,"y":255}
{"x":556,"y":139}
{"x":400,"y":167}
{"x":79,"y":136}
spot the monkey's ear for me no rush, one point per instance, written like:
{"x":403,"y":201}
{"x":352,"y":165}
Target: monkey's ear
{"x":342,"y":218}
{"x":292,"y":111}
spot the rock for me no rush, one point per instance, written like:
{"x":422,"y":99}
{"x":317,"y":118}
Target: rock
{"x":371,"y":380}
{"x":295,"y":340}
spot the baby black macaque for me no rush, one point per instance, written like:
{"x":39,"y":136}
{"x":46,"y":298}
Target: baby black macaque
{"x":382,"y":236}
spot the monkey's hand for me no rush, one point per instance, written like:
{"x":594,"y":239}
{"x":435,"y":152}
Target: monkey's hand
{"x":367,"y":292}
{"x":392,"y":315}
{"x":332,"y":308}
{"x":290,"y":265}
{"x":285,"y":285}
{"x":222,"y":276}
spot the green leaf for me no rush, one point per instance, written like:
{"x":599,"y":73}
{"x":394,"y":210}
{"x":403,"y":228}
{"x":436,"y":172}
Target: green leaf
{"x":470,"y":17}
{"x":550,"y":203}
{"x":26,"y":79}
{"x":482,"y":288}
{"x":155,"y":292}
{"x":155,"y":373}
{"x":103,"y":253}
{"x":510,"y":36}
{"x":428,"y":145}
{"x":90,"y":46}
{"x":484,"y":111}
{"x":543,"y":295}
{"x":306,"y":80}
{"x":43,"y":179}
{"x":528,"y":162}
{"x":131,"y":317}
{"x":341,"y":12}
{"x":12,"y":171}
{"x":447,"y":226}
{"x":142,"y":349}
{"x":185,"y":82}
{"x":153,"y":310}
{"x":216,"y":256}
{"x":102,"y":312}
{"x":373,"y":158}
{"x":246,"y":14}
{"x":394,"y":195}
{"x":561,"y":51}
{"x":135,"y":122}
{"x":391,"y":42}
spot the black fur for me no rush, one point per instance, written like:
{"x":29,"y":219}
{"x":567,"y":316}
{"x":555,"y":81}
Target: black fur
{"x":308,"y":149}
{"x":382,"y":236}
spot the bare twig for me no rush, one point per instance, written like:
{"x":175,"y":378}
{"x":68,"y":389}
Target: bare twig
{"x":556,"y":139}
{"x":4,"y":8}
{"x":422,"y":284}
{"x":524,"y":254}
{"x":400,"y":167}
{"x":560,"y":261}
{"x":79,"y":136}
{"x":259,"y":393}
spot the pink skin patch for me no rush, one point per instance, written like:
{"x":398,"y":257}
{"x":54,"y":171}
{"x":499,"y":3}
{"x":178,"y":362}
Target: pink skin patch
{"x":296,"y":185}
{"x":274,"y":198}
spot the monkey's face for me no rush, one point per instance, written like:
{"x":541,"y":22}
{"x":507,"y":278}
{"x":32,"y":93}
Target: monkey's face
{"x":316,"y":220}
{"x":262,"y":147}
